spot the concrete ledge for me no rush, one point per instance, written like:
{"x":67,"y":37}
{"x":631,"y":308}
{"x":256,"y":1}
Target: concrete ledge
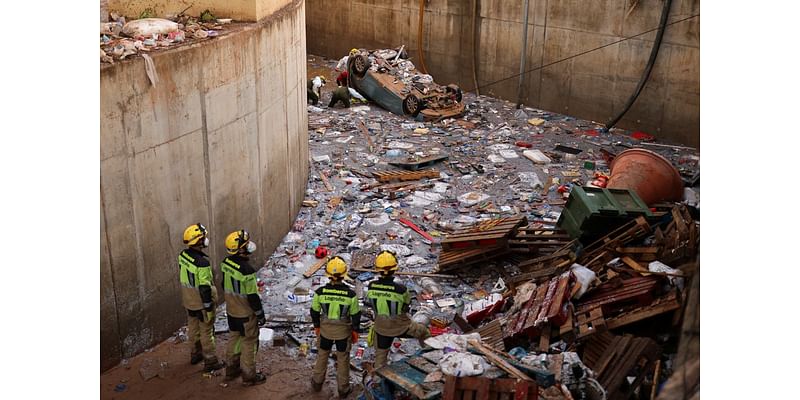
{"x":238,"y":10}
{"x":207,"y":144}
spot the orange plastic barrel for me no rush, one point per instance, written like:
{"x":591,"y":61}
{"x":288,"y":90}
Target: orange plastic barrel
{"x":648,"y":174}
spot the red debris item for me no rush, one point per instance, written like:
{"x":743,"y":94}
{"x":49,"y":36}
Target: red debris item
{"x":260,"y":283}
{"x":321,"y":252}
{"x":563,"y":189}
{"x":415,"y":228}
{"x":591,"y":132}
{"x":436,"y":331}
{"x":601,"y":180}
{"x":524,"y":144}
{"x":642,"y":136}
{"x":478,"y":316}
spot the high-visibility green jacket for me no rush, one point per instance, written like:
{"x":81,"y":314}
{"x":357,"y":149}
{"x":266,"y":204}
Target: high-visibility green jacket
{"x":197,"y":280}
{"x":335,"y":311}
{"x":390,"y":301}
{"x":241,"y":289}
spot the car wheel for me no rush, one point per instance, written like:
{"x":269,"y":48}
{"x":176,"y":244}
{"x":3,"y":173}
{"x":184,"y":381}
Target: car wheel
{"x":455,"y":90}
{"x":360,"y":65}
{"x":411,"y":105}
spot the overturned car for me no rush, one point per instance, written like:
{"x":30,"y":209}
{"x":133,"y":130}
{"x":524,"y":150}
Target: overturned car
{"x":388,"y":78}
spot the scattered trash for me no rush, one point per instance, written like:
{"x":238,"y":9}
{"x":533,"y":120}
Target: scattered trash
{"x":504,"y":288}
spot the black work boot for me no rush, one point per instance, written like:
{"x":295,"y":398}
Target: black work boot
{"x":197,"y":354}
{"x":257,"y":379}
{"x":232,"y":372}
{"x":213,"y":364}
{"x":343,"y":394}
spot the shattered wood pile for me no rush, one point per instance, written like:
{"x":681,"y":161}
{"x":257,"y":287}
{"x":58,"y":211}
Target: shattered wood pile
{"x":495,"y":238}
{"x":551,"y":306}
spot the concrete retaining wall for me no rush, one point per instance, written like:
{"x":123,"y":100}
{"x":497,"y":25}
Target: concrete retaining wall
{"x":594,"y":86}
{"x":222,"y":139}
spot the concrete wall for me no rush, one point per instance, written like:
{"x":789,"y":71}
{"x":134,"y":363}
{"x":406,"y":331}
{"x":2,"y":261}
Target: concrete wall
{"x":594,"y":86}
{"x":222,"y":139}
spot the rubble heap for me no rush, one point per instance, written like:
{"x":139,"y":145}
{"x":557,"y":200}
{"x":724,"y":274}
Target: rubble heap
{"x":471,"y":205}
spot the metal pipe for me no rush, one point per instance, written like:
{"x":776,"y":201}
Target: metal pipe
{"x":647,"y":69}
{"x":474,"y":52}
{"x":522,"y":55}
{"x":419,"y":37}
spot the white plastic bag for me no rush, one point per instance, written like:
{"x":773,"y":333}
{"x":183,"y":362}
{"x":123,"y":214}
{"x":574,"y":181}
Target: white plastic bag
{"x":658,"y":266}
{"x":462,"y":364}
{"x":585,"y":276}
{"x":148,"y":27}
{"x":453,"y":341}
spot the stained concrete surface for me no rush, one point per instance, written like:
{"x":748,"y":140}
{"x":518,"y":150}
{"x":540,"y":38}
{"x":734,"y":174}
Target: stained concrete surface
{"x":594,"y":86}
{"x":208,"y":144}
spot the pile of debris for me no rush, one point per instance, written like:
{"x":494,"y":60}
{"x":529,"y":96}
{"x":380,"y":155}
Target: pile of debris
{"x":121,"y":38}
{"x":515,"y":302}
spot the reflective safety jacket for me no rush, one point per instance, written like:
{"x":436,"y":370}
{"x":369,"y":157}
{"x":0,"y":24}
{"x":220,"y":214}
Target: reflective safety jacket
{"x":335,"y":311}
{"x":241,"y":288}
{"x":390,"y":301}
{"x":197,"y":281}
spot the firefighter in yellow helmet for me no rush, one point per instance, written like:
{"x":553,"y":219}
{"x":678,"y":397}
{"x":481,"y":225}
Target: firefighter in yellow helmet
{"x":245,"y":312}
{"x":199,"y":296}
{"x":390,"y":301}
{"x":336,"y":316}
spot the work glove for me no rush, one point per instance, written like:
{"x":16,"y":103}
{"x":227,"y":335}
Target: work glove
{"x":316,"y":331}
{"x":354,"y":336}
{"x":262,"y":320}
{"x":209,"y":316}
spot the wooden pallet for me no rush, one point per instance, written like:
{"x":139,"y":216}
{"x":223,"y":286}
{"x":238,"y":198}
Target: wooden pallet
{"x":539,"y":241}
{"x":388,"y":176}
{"x":664,"y":304}
{"x":492,"y":334}
{"x":590,"y":322}
{"x":478,"y":388}
{"x":546,"y":306}
{"x":597,"y":254}
{"x":494,"y":232}
{"x":621,"y":357}
{"x":415,"y":164}
{"x":450,"y":260}
{"x":635,"y":290}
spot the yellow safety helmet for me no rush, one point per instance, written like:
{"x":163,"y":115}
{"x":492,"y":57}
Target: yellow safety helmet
{"x":386,"y":262}
{"x":353,"y":51}
{"x":336,"y":268}
{"x":239,"y":240}
{"x":196,"y":234}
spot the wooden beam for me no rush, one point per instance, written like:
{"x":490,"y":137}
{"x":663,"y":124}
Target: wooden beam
{"x":499,"y":361}
{"x":314,"y":268}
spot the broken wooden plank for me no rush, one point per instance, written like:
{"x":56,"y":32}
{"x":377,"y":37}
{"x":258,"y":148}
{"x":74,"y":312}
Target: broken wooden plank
{"x":407,"y":377}
{"x":662,"y":305}
{"x":314,"y":268}
{"x":635,"y":265}
{"x":325,"y":181}
{"x":388,"y":176}
{"x":498,"y":361}
{"x":406,"y":273}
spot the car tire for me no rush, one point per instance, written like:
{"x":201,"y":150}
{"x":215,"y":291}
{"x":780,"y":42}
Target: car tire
{"x":411,"y":105}
{"x":360,"y":65}
{"x":455,"y":90}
